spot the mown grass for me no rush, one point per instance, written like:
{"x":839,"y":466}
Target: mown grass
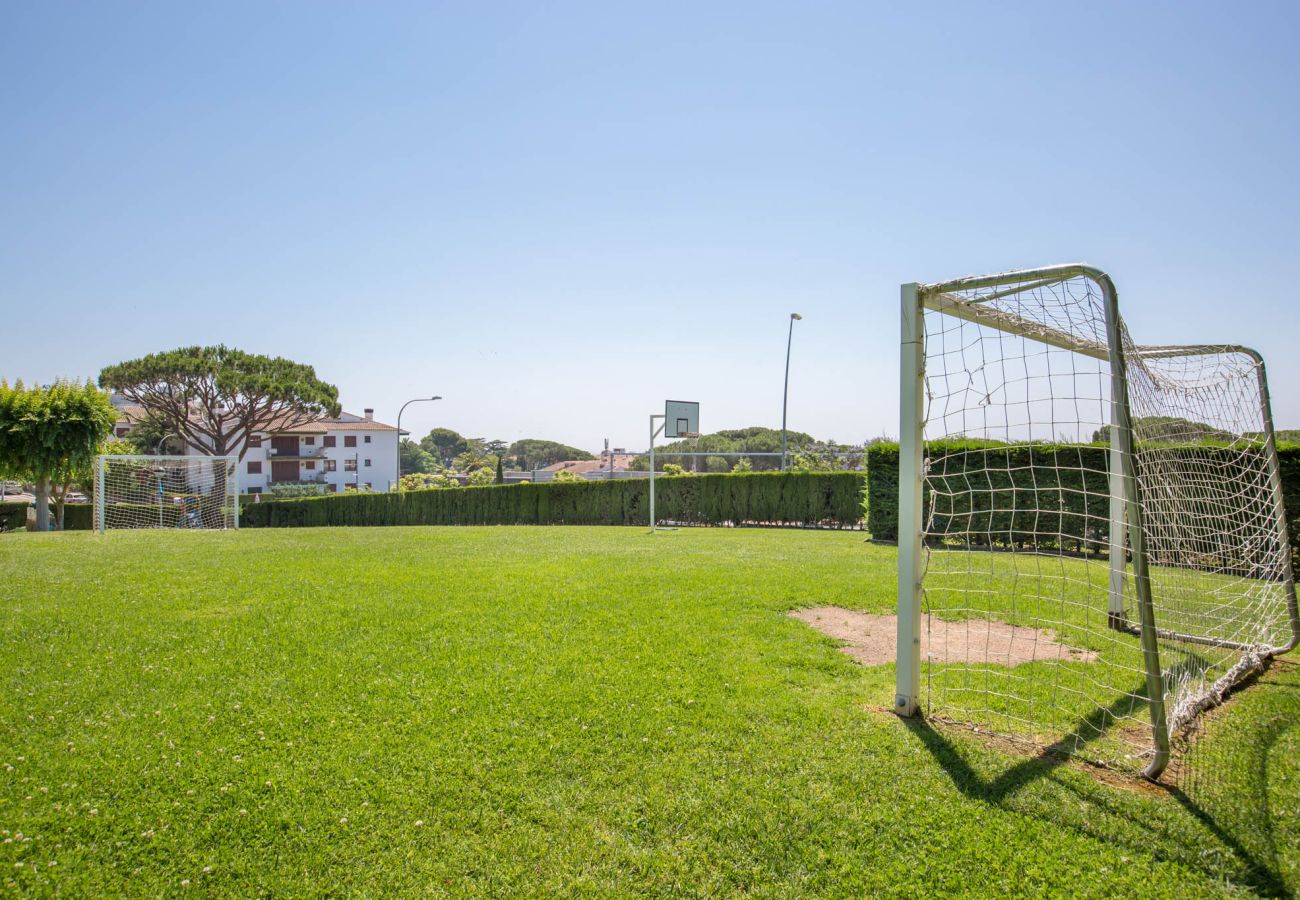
{"x":547,"y":711}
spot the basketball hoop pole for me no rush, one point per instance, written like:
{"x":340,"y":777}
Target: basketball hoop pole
{"x":654,"y":432}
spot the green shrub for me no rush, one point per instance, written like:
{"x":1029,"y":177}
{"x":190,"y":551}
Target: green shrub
{"x":13,"y":515}
{"x":812,"y":499}
{"x":79,"y":517}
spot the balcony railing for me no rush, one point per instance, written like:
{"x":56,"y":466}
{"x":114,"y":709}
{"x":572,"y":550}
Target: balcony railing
{"x":310,"y":478}
{"x":300,"y":453}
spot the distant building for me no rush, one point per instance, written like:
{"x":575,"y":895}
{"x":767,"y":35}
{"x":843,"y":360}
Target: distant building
{"x":611,"y":464}
{"x":347,"y":452}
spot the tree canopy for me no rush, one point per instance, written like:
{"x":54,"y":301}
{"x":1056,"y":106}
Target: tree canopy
{"x":47,"y":434}
{"x":444,"y":444}
{"x":535,"y":453}
{"x":151,"y":435}
{"x":415,"y":460}
{"x":1169,"y":429}
{"x":755,"y":439}
{"x":216,"y":397}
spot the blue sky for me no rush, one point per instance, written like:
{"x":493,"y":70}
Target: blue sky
{"x":557,"y":215}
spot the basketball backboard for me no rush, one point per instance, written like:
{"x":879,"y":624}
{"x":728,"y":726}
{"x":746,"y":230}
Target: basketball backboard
{"x":681,"y":418}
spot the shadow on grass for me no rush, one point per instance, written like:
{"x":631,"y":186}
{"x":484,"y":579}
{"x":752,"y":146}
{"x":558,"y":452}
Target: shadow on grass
{"x":1259,"y":874}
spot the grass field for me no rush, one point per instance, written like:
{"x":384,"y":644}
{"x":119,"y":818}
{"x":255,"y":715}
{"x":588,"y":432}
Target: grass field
{"x":487,"y":711}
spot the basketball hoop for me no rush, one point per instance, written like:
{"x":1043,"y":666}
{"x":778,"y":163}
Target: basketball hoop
{"x":680,"y":419}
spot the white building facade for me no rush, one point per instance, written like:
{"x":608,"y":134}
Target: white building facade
{"x":347,"y":453}
{"x":328,"y":455}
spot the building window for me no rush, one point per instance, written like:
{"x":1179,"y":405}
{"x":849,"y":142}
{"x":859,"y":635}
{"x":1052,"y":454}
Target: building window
{"x":349,"y":440}
{"x":254,"y":441}
{"x":367,"y":439}
{"x":122,"y":432}
{"x":329,"y":440}
{"x":349,"y":465}
{"x":333,"y":488}
{"x":254,"y":467}
{"x":255,"y":490}
{"x":310,"y":464}
{"x":367,"y":464}
{"x":309,"y":441}
{"x":331,"y":465}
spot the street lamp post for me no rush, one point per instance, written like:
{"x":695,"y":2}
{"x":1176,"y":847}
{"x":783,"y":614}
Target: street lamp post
{"x":399,"y":432}
{"x":785,"y":397}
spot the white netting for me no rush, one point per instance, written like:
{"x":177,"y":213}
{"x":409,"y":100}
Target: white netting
{"x":1027,"y":637}
{"x":165,"y":492}
{"x":1215,"y":540}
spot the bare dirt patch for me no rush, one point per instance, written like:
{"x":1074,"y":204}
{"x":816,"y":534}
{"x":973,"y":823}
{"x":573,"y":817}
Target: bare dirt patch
{"x":870,"y":639}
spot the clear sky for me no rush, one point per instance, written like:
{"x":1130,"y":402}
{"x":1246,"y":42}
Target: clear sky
{"x":557,"y":215}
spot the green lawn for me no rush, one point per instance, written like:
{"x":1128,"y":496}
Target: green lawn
{"x":394,"y":711}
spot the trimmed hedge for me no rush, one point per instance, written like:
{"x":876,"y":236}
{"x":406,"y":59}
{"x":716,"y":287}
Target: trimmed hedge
{"x":832,"y":499}
{"x":1006,"y":495}
{"x":78,"y":516}
{"x":13,"y":515}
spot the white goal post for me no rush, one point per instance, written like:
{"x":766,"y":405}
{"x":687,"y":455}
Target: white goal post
{"x":189,"y":492}
{"x":1101,"y":520}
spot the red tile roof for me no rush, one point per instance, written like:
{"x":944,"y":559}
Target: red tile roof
{"x":131,"y":413}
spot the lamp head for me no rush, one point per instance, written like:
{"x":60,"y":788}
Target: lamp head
{"x":796,"y":316}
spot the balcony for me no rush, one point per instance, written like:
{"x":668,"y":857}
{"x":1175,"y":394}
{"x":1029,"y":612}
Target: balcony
{"x":300,"y":453}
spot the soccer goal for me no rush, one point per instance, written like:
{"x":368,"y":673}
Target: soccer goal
{"x":1092,"y":543}
{"x":166,"y":492}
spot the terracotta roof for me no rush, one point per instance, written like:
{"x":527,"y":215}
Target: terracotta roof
{"x":320,"y":426}
{"x":132,"y":413}
{"x":579,"y":466}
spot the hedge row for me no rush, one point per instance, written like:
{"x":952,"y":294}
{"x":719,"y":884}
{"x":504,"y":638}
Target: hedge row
{"x":13,"y":515}
{"x":809,"y":499}
{"x":1009,"y":495}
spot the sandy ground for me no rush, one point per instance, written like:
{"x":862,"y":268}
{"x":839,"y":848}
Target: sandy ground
{"x":870,"y":639}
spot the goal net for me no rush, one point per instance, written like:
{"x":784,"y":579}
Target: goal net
{"x":166,"y":492}
{"x":1093,"y":548}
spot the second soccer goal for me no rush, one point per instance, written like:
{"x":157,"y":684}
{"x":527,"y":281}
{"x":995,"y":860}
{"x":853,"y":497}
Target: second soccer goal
{"x":166,"y":492}
{"x":1092,"y":543}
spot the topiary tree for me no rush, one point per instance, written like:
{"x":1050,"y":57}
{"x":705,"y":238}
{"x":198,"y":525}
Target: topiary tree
{"x":215,"y":398}
{"x":47,"y":434}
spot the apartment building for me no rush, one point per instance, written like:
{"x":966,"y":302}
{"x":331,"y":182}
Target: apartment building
{"x":332,"y":455}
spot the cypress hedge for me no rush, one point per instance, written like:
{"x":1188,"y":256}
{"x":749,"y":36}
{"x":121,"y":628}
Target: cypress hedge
{"x":1006,"y":495}
{"x":823,"y":499}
